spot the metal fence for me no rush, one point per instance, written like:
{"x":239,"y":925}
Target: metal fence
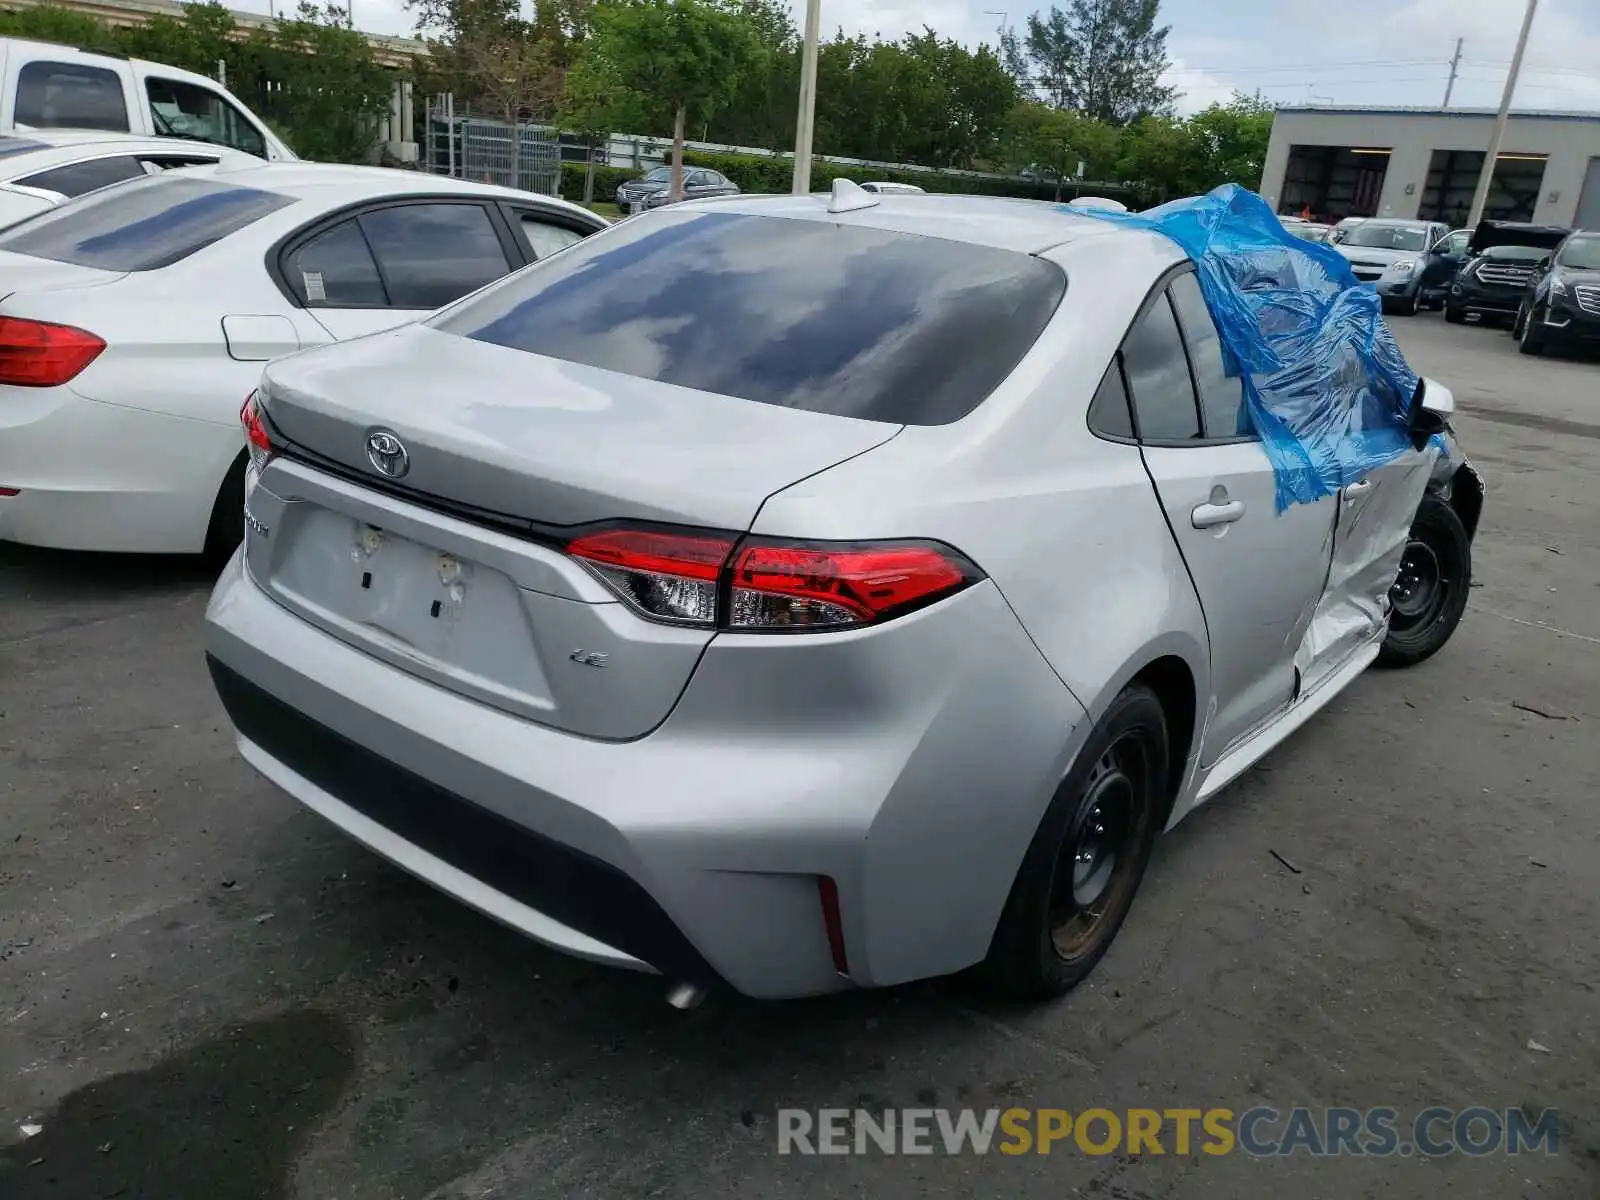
{"x":487,"y":150}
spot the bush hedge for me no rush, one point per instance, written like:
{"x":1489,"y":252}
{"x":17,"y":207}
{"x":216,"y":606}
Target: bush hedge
{"x":606,"y":181}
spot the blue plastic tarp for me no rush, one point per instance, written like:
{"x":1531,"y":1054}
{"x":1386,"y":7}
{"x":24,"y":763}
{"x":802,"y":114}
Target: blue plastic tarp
{"x":1325,"y":384}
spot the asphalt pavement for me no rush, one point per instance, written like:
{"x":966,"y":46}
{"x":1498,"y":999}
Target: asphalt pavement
{"x":207,"y":993}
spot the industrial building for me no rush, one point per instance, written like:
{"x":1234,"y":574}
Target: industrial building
{"x":1425,"y":163}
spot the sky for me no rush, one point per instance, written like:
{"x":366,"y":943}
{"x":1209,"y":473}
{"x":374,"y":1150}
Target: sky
{"x":1362,"y":52}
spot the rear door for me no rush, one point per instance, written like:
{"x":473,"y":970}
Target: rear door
{"x":1259,"y":573}
{"x":392,"y":263}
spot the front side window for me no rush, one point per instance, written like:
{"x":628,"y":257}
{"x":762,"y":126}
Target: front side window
{"x":143,"y":224}
{"x":1158,"y":377}
{"x":1221,"y":398}
{"x":431,"y":254}
{"x":813,"y":315}
{"x":79,"y":178}
{"x":55,"y":95}
{"x":187,"y":110}
{"x":334,"y":269}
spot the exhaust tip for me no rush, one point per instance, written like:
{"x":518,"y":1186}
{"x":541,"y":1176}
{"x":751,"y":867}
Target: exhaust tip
{"x":684,"y":996}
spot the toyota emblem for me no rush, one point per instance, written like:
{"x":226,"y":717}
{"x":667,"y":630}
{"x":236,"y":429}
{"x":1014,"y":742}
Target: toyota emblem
{"x":387,"y":454}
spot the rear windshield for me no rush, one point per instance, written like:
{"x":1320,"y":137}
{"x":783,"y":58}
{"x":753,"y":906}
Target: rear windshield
{"x":141,"y":225}
{"x":814,"y":315}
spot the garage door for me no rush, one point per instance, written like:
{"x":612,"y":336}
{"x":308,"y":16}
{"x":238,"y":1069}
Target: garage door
{"x":1589,"y":202}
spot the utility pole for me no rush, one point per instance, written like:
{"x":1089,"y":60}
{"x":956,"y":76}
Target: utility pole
{"x":1481,"y":197}
{"x":1455,"y":66}
{"x":808,"y":100}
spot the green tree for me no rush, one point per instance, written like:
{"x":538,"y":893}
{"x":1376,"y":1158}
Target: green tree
{"x":321,"y":82}
{"x":1102,"y":57}
{"x":1051,"y":142}
{"x":1233,"y":138}
{"x":683,"y":57}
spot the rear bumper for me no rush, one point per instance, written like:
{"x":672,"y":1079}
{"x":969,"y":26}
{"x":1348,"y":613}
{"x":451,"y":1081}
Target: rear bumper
{"x":910,"y":764}
{"x":93,"y":476}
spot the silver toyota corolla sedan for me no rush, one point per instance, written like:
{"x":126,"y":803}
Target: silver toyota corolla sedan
{"x":802,"y":595}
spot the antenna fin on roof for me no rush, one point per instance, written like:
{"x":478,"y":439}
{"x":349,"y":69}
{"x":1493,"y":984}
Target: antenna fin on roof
{"x":848,"y":196}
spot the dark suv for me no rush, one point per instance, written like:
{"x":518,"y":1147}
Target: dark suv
{"x":1503,"y":256}
{"x":1561,"y":306}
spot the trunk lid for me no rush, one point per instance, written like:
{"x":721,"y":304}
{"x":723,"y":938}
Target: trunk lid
{"x":403,"y":571}
{"x":550,"y":443}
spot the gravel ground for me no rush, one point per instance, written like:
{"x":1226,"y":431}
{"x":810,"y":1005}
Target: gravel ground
{"x":206,"y":993}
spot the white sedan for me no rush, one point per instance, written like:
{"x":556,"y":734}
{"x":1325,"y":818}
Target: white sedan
{"x":134,"y":322}
{"x":40,"y":169}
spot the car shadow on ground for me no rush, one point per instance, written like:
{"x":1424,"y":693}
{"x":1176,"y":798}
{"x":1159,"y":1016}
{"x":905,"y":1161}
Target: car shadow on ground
{"x":32,"y":573}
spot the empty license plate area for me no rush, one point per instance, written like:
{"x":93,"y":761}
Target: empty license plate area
{"x":436,"y":613}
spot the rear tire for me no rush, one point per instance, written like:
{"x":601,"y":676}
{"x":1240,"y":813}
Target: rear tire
{"x":1082,"y":869}
{"x":226,"y":529}
{"x":1430,"y":592}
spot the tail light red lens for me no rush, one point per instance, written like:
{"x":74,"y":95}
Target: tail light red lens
{"x":665,"y":576}
{"x":39,"y":354}
{"x":256,"y":437}
{"x":777,"y":586}
{"x":768,"y":585}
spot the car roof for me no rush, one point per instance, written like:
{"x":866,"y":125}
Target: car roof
{"x":1000,"y":222}
{"x":307,"y":179}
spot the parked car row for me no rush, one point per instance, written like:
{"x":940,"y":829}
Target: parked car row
{"x":137,"y":317}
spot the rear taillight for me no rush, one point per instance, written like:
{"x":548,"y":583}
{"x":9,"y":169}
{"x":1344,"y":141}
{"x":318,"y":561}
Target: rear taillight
{"x":766,"y":585}
{"x":665,"y":576}
{"x":39,"y":354}
{"x":255,"y":432}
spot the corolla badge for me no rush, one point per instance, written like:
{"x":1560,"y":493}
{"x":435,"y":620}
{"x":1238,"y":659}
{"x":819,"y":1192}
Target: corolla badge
{"x":387,"y":454}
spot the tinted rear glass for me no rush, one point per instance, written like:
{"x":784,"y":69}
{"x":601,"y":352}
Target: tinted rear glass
{"x":806,"y":314}
{"x":141,"y":225}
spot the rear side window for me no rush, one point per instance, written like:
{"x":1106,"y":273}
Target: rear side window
{"x":431,"y":254}
{"x":54,"y":95}
{"x":544,"y":239}
{"x":142,"y":225}
{"x":1221,"y":398}
{"x":1158,"y":377}
{"x":335,"y":270}
{"x":814,"y":315}
{"x":90,"y":176}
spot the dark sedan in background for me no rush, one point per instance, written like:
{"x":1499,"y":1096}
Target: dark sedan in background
{"x":1561,"y":308}
{"x":1503,"y":257}
{"x":654,"y":187}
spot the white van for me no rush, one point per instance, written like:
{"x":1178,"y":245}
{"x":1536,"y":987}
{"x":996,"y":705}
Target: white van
{"x":44,"y":86}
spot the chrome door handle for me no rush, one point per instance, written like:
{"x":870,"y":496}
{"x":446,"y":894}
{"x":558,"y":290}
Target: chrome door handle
{"x":1208,"y":515}
{"x":1359,"y":488}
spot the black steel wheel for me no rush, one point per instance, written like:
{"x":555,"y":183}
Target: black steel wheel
{"x":1078,"y":879}
{"x":1430,"y":590}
